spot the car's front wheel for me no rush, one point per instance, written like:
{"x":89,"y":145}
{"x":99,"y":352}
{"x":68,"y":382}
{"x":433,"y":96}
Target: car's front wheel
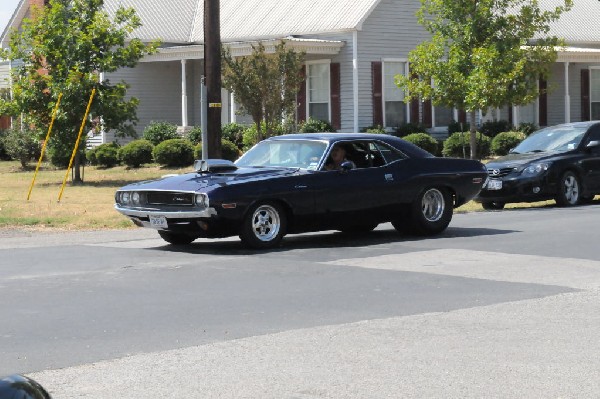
{"x":429,"y":214}
{"x":492,"y":206}
{"x":569,"y":190}
{"x":264,"y":226}
{"x":176,"y":238}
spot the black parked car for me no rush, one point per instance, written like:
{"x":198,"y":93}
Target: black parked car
{"x":560,"y":162}
{"x":282,"y":186}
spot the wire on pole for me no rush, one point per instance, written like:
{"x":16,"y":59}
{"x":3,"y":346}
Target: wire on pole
{"x":87,"y":110}
{"x":37,"y":168}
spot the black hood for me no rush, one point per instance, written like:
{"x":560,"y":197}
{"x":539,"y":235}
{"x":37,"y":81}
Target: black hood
{"x":519,"y":160}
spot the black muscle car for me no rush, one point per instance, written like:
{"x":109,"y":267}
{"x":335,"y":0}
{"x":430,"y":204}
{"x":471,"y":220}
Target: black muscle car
{"x":560,"y":162}
{"x":282,"y":186}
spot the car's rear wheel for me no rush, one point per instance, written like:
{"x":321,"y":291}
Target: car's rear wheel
{"x":569,"y":190}
{"x":492,"y":205}
{"x":429,"y":214}
{"x":264,"y":226}
{"x":176,"y":238}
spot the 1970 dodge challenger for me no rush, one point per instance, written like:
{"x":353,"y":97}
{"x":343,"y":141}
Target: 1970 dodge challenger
{"x":282,"y":185}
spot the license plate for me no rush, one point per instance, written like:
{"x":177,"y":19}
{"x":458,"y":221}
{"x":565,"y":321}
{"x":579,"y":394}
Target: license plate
{"x":494,"y":185}
{"x":158,"y":222}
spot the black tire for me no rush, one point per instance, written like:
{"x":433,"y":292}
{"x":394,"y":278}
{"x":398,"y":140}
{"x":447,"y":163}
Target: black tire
{"x":429,"y":214}
{"x":176,"y":238}
{"x":264,"y":226}
{"x":358,"y":228}
{"x":569,"y":190}
{"x":493,"y":206}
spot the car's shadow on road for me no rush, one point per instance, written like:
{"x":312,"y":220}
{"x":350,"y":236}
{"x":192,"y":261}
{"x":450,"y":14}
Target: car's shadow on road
{"x":330,"y":239}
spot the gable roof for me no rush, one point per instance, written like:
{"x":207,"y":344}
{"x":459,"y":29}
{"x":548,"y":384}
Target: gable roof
{"x":182,"y":21}
{"x":579,"y":25}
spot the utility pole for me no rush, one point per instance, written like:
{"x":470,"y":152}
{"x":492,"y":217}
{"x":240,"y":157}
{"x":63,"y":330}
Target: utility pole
{"x":212,"y":73}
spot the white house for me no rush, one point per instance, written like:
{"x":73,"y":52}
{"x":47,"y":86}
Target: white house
{"x":354,"y":48}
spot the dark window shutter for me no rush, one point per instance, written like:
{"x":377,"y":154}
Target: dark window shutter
{"x":377,"y":93}
{"x":543,"y":101}
{"x":427,"y":117}
{"x":462,"y":116}
{"x":510,"y":114}
{"x":585,"y":94}
{"x":336,"y":104}
{"x":414,"y":107}
{"x":301,"y":97}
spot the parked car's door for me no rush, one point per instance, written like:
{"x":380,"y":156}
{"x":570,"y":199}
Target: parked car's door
{"x":591,"y":160}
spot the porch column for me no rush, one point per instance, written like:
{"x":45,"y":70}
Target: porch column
{"x":515,"y":111}
{"x":232,"y":108}
{"x":184,"y":103}
{"x":567,"y":95}
{"x":355,"y":78}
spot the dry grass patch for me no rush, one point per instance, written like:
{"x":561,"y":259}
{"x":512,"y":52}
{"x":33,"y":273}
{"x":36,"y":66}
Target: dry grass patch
{"x":86,"y":206}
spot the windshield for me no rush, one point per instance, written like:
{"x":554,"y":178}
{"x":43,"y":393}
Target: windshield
{"x":302,"y":154}
{"x":559,"y":139}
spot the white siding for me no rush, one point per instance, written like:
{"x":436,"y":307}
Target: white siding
{"x":4,"y":75}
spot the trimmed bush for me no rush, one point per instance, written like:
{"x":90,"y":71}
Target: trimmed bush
{"x":136,"y":153}
{"x":424,"y":141}
{"x":374,"y":129}
{"x":229,"y":150}
{"x":527,"y":128}
{"x":316,"y":126}
{"x":174,"y":152}
{"x":492,"y":128}
{"x":194,"y":135}
{"x":107,"y":155}
{"x":3,"y":154}
{"x":457,"y":145}
{"x":455,"y":126}
{"x":409,"y":128}
{"x":234,"y":132}
{"x":22,"y":146}
{"x":504,"y":142}
{"x":157,"y":132}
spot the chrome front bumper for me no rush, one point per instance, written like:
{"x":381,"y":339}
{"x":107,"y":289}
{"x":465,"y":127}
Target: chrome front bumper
{"x":169,"y":214}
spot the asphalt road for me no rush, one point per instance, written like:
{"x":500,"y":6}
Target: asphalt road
{"x":503,"y":304}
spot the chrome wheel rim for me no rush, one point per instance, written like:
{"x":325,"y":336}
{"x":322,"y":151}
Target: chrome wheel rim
{"x":266,"y":223}
{"x":571,"y":188}
{"x":433,"y":205}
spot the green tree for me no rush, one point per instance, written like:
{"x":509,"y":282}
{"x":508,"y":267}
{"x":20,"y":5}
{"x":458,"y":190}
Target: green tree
{"x":265,"y":84}
{"x":63,"y":48}
{"x":482,"y":54}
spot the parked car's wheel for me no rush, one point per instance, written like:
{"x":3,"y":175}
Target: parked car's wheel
{"x":429,"y":214}
{"x":264,"y":226}
{"x":492,"y":206}
{"x":359,"y":228}
{"x":176,"y":238}
{"x":569,"y":190}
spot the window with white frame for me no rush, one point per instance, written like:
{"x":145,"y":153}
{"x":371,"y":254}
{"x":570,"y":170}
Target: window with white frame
{"x":318,"y":91}
{"x":595,"y":93}
{"x":394,"y":107}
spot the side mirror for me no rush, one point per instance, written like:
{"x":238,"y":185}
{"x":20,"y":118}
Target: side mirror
{"x":347,"y":165}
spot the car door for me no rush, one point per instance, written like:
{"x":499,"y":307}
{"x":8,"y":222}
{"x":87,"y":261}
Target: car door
{"x":591,"y":160}
{"x":354,"y":196}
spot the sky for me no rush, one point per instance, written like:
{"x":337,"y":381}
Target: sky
{"x":7,"y":7}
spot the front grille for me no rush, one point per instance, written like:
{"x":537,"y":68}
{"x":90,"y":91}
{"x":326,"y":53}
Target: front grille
{"x":497,"y":173}
{"x":169,"y":198}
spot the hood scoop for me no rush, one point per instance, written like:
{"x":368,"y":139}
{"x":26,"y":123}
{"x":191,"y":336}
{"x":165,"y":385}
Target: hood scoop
{"x":214,"y":166}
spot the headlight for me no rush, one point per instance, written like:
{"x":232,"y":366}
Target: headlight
{"x":125,"y":197}
{"x":135,"y":198}
{"x":202,"y":200}
{"x":536,"y":168}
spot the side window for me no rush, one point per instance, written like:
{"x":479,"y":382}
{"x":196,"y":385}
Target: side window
{"x":389,"y":154}
{"x":594,"y":134}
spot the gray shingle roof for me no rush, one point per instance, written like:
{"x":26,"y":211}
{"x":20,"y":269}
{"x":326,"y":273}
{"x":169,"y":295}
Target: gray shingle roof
{"x":580,"y":24}
{"x":181,"y":21}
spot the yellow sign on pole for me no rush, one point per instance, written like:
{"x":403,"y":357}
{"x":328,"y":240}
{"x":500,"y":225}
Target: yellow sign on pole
{"x":87,"y":111}
{"x":214,"y":105}
{"x":37,"y":168}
